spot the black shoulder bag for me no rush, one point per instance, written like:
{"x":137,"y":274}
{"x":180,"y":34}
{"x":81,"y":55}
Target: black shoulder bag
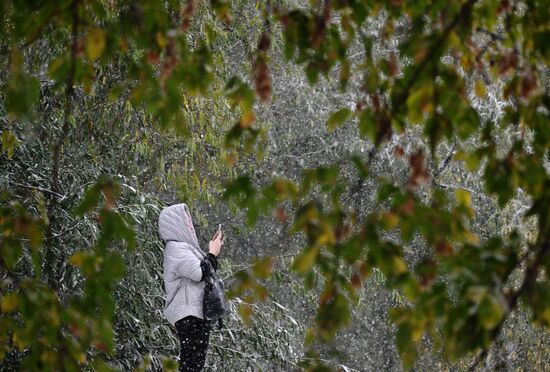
{"x":214,"y":305}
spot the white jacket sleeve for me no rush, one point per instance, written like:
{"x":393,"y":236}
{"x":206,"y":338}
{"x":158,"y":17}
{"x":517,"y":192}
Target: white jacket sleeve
{"x":181,"y":262}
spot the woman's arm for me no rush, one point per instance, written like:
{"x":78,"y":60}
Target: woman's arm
{"x":181,"y":262}
{"x":214,"y":247}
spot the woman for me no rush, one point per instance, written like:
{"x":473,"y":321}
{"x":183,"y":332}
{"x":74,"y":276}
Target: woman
{"x":185,"y":268}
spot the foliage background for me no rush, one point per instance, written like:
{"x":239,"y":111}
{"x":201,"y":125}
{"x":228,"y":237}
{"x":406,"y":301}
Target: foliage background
{"x":153,"y":161}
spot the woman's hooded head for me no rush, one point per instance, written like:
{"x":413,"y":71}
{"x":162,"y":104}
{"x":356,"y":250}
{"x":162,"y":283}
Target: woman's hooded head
{"x":175,"y":223}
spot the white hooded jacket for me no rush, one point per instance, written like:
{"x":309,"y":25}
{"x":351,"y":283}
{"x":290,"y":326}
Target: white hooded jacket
{"x":182,"y":264}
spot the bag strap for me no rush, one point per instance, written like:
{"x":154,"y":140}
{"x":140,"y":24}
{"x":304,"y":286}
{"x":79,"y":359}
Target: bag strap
{"x":212,"y":273}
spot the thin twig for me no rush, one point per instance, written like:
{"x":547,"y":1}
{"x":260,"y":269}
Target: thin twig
{"x":464,"y":11}
{"x":531,"y":274}
{"x":445,"y":162}
{"x":251,"y":265}
{"x":39,"y":188}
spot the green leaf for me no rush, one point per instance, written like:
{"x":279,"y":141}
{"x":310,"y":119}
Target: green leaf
{"x":312,"y":73}
{"x":338,"y":118}
{"x":540,"y":40}
{"x":332,"y":314}
{"x":368,"y":125}
{"x":359,"y":13}
{"x":405,"y":345}
{"x":420,"y":102}
{"x":9,"y":142}
{"x":361,"y":166}
{"x":240,"y":188}
{"x":490,"y":312}
{"x":22,"y":92}
{"x":538,"y":299}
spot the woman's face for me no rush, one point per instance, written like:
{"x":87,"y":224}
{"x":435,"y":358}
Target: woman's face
{"x":189,"y":221}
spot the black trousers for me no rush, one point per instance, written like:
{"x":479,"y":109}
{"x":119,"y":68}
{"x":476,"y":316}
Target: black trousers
{"x":193,"y":334}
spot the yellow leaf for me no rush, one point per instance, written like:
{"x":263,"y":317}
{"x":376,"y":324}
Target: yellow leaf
{"x":230,"y":158}
{"x":303,"y":262}
{"x":471,"y":238}
{"x":54,"y":317}
{"x":19,"y":341}
{"x":245,"y":311}
{"x":48,"y":357}
{"x":327,"y":236}
{"x":77,"y":258}
{"x":389,"y":220}
{"x":95,"y":43}
{"x":479,"y":89}
{"x":399,"y":266}
{"x":466,"y":62}
{"x":263,"y":268}
{"x":463,"y":197}
{"x":417,"y":333}
{"x":161,"y":40}
{"x":455,"y":40}
{"x":476,"y":294}
{"x":123,"y":44}
{"x":9,"y":303}
{"x":247,"y":118}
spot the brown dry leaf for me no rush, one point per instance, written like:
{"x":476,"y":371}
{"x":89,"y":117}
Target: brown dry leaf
{"x":392,"y":65}
{"x":321,"y":22}
{"x":356,"y":280}
{"x":443,"y":248}
{"x":398,"y":151}
{"x":508,"y":62}
{"x":407,"y":208}
{"x":419,"y":172}
{"x":262,"y":79}
{"x":264,"y":43}
{"x":342,"y":232}
{"x":384,"y":129}
{"x":326,"y":296}
{"x":528,"y":85}
{"x":280,"y":214}
{"x":170,"y":61}
{"x":152,"y":58}
{"x":187,"y":14}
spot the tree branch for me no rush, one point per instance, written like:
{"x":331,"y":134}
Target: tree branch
{"x":67,"y":112}
{"x":464,"y":11}
{"x":251,"y":265}
{"x":530,"y":278}
{"x":38,"y":188}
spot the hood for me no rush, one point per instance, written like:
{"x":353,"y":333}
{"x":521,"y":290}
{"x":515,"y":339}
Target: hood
{"x":175,"y":223}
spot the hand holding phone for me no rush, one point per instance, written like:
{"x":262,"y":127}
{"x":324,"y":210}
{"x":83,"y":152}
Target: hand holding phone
{"x":216,"y":243}
{"x":220,"y":231}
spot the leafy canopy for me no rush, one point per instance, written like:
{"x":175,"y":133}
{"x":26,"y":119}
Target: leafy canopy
{"x":460,"y":296}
